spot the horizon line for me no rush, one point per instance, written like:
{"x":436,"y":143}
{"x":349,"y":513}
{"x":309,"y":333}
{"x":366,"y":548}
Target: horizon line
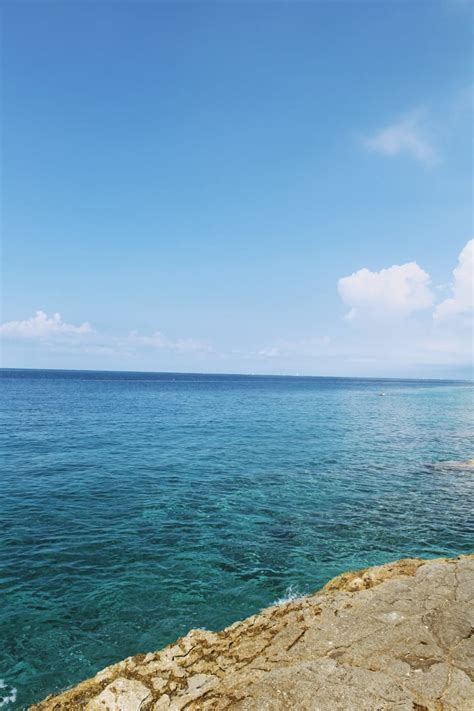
{"x":247,"y":375}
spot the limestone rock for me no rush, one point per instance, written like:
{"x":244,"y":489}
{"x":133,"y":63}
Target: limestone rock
{"x":397,"y":636}
{"x":121,"y":695}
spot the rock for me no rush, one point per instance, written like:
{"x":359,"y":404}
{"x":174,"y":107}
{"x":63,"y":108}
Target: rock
{"x":396,"y":636}
{"x":466,"y":465}
{"x":121,"y":695}
{"x":163,"y":703}
{"x":201,"y":681}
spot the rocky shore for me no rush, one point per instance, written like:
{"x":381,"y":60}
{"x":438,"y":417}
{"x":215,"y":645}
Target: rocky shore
{"x":397,"y":636}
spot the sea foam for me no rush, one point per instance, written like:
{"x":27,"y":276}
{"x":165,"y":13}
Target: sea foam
{"x":292,"y":593}
{"x":7,"y":694}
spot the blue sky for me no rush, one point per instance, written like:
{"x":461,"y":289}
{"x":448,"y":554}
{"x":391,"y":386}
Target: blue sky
{"x":186,"y":185}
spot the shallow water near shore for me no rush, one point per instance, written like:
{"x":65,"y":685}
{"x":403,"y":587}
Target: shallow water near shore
{"x":137,"y":506}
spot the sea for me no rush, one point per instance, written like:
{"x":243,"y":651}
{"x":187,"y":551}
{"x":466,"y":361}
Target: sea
{"x":136,"y":506}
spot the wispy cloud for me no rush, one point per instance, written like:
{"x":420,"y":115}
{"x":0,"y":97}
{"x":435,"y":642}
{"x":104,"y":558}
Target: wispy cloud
{"x":404,"y":137}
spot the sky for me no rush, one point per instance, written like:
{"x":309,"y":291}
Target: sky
{"x":238,"y":187}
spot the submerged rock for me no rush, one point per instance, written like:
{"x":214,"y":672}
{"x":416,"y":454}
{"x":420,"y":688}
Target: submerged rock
{"x":397,"y":636}
{"x":466,"y":464}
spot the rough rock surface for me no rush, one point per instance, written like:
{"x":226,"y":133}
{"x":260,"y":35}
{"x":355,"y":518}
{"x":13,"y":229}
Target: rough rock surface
{"x":397,"y":636}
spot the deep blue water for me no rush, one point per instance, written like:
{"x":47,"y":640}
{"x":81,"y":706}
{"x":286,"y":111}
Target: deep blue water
{"x":136,"y":506}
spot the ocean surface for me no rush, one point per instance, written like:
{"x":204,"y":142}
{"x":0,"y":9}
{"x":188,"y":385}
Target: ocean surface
{"x":136,"y":506}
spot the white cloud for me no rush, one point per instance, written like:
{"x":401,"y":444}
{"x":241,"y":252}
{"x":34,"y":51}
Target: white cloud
{"x":436,"y":338}
{"x":56,"y":334}
{"x":400,"y":290}
{"x":461,"y":302}
{"x":403,"y":137}
{"x":42,"y":327}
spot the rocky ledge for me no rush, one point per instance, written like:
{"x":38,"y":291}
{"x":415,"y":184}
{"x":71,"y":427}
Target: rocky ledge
{"x":397,"y":636}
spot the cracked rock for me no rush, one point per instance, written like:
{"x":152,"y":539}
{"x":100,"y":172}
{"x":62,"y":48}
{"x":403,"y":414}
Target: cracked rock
{"x":394,"y":637}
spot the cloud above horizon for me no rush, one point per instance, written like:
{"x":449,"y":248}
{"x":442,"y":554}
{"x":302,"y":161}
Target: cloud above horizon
{"x":53,"y":331}
{"x":396,"y":322}
{"x":461,"y":303}
{"x":42,"y":327}
{"x":405,"y":136}
{"x":399,"y":289}
{"x":399,"y":303}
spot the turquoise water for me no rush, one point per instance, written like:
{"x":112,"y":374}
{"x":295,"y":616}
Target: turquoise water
{"x":136,"y":506}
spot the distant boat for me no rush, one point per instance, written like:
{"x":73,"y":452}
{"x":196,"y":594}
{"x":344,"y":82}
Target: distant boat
{"x":381,"y":394}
